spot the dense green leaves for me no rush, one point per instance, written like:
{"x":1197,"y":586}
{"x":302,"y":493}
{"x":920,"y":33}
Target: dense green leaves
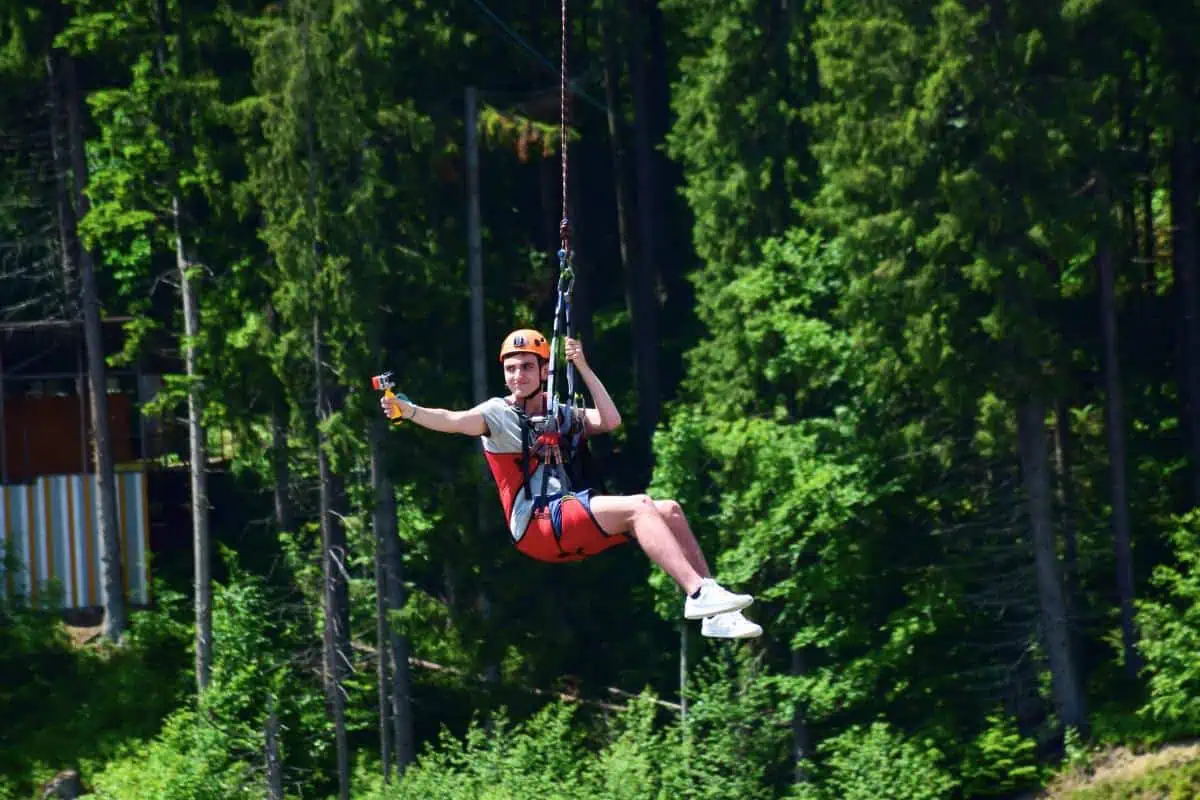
{"x":897,"y":214}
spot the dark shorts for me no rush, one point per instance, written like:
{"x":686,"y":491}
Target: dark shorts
{"x":565,"y":530}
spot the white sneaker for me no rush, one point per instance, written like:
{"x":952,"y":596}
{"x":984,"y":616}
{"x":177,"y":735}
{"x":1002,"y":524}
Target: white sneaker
{"x":730,"y":625}
{"x":714,"y":599}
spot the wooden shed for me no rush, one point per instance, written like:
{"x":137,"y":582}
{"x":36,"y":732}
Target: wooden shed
{"x":48,"y":525}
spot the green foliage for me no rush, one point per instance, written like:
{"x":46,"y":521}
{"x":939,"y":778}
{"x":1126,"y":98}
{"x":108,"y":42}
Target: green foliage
{"x":727,"y":748}
{"x":744,"y":74}
{"x":118,"y":694}
{"x":188,"y":760}
{"x":865,"y":763}
{"x":1000,"y":760}
{"x":215,"y":749}
{"x":897,"y":248}
{"x":1170,"y":631}
{"x":542,"y":757}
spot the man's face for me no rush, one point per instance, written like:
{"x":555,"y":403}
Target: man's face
{"x":521,"y":374}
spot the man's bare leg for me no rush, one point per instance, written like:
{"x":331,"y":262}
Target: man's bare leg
{"x":673,"y":515}
{"x":639,"y":514}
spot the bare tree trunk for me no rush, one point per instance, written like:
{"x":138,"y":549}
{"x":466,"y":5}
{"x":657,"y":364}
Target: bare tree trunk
{"x":640,"y":282}
{"x":1114,"y":408}
{"x":67,"y":233}
{"x":111,"y":562}
{"x":393,"y":647}
{"x":1146,"y":182}
{"x":380,"y":523}
{"x":382,"y":640}
{"x":683,"y":672}
{"x":612,"y":99}
{"x":491,"y":668}
{"x":1183,"y":237}
{"x":197,"y":436}
{"x":197,"y":460}
{"x":402,"y":716}
{"x":334,"y":571}
{"x":274,"y":769}
{"x":801,"y":737}
{"x":1068,"y":693}
{"x":333,"y":535}
{"x":1064,"y":487}
{"x":280,"y":469}
{"x":279,"y":465}
{"x":1066,"y":498}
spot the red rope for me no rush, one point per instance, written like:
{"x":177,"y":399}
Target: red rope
{"x":563,"y":113}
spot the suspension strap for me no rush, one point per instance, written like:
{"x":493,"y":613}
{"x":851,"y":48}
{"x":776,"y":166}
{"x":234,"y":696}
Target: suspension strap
{"x":562,"y":124}
{"x":566,"y":273}
{"x":556,"y":434}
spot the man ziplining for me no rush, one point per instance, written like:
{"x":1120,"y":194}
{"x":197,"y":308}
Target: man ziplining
{"x":532,"y":440}
{"x":529,"y":441}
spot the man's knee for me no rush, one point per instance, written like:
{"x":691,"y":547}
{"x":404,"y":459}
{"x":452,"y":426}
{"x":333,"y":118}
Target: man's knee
{"x":669,"y":509}
{"x":643,"y":505}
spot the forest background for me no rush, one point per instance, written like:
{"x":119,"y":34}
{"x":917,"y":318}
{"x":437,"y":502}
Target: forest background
{"x":899,"y":300}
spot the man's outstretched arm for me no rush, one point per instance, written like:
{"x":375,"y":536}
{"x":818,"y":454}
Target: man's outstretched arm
{"x":468,"y":423}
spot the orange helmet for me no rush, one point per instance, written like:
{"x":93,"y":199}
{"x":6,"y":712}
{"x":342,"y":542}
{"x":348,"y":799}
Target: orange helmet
{"x":525,"y":340}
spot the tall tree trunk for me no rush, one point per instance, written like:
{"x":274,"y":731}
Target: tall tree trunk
{"x":1147,"y":183}
{"x":641,"y":281}
{"x":491,"y":669}
{"x":1068,"y":693}
{"x":393,"y":647}
{"x":334,"y":570}
{"x":1063,"y":448}
{"x":1114,"y":420}
{"x":612,"y":97}
{"x":616,"y":139}
{"x":801,"y":737}
{"x":67,"y":229}
{"x":404,"y":742}
{"x":333,"y":535}
{"x":382,"y":638}
{"x":189,"y":299}
{"x":281,"y":472}
{"x":273,"y":766}
{"x":1183,"y":249}
{"x":683,"y":673}
{"x":197,"y":459}
{"x":1064,"y":485}
{"x":111,"y":562}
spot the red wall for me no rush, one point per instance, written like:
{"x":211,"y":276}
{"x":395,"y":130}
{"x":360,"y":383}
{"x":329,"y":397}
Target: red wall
{"x":42,"y":435}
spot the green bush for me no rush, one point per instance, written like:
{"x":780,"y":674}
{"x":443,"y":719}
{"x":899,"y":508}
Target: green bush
{"x":875,"y":762}
{"x":67,"y":706}
{"x":727,"y":748}
{"x":1170,"y":633}
{"x":542,"y":758}
{"x":188,"y":760}
{"x":1000,"y":760}
{"x":216,"y":750}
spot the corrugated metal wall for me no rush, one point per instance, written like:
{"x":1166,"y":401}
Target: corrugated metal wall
{"x":49,"y":529}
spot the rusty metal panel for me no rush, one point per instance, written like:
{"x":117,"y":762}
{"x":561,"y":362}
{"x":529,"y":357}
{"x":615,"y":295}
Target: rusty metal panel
{"x":48,"y":528}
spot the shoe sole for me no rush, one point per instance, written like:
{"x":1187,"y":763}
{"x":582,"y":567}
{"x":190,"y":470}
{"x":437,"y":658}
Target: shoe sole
{"x":712,"y":612}
{"x":748,"y":635}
